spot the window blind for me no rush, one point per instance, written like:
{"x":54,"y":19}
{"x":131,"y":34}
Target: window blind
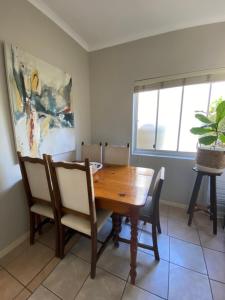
{"x":179,"y":80}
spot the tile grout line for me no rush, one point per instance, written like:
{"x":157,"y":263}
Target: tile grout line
{"x":81,"y":286}
{"x":124,"y":289}
{"x":50,"y":291}
{"x":168,"y":290}
{"x":99,"y":267}
{"x":205,"y":263}
{"x":38,"y":273}
{"x":19,"y":293}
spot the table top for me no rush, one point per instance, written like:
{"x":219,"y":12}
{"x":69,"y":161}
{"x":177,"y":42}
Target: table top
{"x":125,"y":185}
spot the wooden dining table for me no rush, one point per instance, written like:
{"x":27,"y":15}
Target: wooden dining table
{"x":123,"y":190}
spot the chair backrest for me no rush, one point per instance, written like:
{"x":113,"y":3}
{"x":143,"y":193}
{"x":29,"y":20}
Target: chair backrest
{"x":36,"y":178}
{"x":154,"y":207}
{"x":93,"y":152}
{"x":117,"y":155}
{"x":73,"y":188}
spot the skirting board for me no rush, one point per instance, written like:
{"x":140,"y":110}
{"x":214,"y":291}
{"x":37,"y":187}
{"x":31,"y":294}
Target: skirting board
{"x":174,"y":204}
{"x":14,"y":244}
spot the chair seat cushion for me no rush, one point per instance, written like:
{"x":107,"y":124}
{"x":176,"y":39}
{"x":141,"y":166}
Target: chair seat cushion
{"x":82,"y":224}
{"x":43,"y":210}
{"x":146,"y":211}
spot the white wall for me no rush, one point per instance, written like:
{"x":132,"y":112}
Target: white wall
{"x":25,"y":26}
{"x":113,"y":72}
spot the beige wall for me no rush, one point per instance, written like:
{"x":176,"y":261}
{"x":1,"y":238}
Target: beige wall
{"x":114,"y":70}
{"x":23,"y":25}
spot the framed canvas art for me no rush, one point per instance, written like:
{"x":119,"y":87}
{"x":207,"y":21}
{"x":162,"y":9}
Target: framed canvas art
{"x":40,"y":101}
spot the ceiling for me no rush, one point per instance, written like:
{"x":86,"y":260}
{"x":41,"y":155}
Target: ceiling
{"x":97,"y":24}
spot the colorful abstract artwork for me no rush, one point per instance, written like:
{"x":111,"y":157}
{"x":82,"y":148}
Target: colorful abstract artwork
{"x":40,"y":98}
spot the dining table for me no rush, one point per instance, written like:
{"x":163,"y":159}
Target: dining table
{"x":123,"y":190}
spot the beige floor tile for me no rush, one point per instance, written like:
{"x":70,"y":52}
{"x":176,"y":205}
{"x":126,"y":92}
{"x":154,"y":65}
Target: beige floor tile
{"x":218,"y":290}
{"x":24,"y":295}
{"x":163,"y":244}
{"x":72,"y":241}
{"x":182,"y":231}
{"x":188,"y":285}
{"x":140,"y":223}
{"x":163,"y":209}
{"x":126,"y":232}
{"x":212,"y":241}
{"x":134,"y":293}
{"x":187,"y":255}
{"x":48,"y":236}
{"x":163,"y":223}
{"x":104,"y":286}
{"x":29,"y":263}
{"x":177,"y":213}
{"x":82,"y":248}
{"x":43,"y":294}
{"x":152,"y":275}
{"x":105,"y":231}
{"x":215,"y":262}
{"x":202,"y":220}
{"x":9,"y":287}
{"x":34,"y":284}
{"x":68,"y":277}
{"x":5,"y":260}
{"x":116,"y":260}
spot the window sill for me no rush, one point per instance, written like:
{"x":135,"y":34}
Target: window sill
{"x":165,"y":154}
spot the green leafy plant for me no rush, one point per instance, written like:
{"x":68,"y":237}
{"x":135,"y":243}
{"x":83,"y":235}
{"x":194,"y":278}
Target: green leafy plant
{"x":212,"y":132}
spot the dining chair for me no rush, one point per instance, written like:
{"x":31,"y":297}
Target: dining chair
{"x":150,"y":212}
{"x":117,"y":155}
{"x":75,"y":202}
{"x":38,"y":188}
{"x":91,"y":151}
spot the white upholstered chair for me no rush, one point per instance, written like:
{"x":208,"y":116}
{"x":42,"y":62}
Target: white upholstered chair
{"x":75,"y":201}
{"x":38,"y":188}
{"x":117,"y":155}
{"x":93,"y":152}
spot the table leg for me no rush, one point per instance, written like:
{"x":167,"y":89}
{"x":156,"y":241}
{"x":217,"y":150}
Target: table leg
{"x":213,"y":205}
{"x":133,"y":246}
{"x":117,"y":220}
{"x":194,"y":197}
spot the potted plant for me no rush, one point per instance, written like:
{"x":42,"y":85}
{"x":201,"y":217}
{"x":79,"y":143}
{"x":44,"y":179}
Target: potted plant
{"x":211,"y":150}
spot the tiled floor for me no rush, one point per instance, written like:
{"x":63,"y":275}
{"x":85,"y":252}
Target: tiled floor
{"x":192,"y":265}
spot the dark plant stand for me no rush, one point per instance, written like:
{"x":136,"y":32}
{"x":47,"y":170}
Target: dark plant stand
{"x":212,"y":211}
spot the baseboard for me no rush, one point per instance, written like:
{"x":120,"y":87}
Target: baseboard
{"x":14,"y":244}
{"x":174,"y":204}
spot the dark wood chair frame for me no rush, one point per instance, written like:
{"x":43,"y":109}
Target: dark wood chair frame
{"x":63,"y":210}
{"x":35,"y":219}
{"x":151,"y":215}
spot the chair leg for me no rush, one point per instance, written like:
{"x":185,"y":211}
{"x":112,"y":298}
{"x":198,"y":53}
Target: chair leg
{"x":127,"y":220}
{"x":159,"y":227}
{"x":93,"y":254}
{"x":61,"y":240}
{"x":57,"y":241}
{"x":155,"y":243}
{"x":32,"y":227}
{"x":39,"y":224}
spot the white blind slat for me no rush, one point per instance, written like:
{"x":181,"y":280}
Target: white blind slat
{"x":179,"y":80}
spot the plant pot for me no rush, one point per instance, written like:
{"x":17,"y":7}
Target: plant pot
{"x":211,"y":160}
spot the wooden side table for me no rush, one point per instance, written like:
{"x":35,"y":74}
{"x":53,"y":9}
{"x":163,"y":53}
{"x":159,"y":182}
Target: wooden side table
{"x":213,"y":202}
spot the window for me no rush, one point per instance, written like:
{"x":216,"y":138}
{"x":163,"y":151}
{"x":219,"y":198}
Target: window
{"x":164,"y":111}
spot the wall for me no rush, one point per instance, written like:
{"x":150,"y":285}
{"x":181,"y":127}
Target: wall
{"x":113,"y":72}
{"x":23,"y":25}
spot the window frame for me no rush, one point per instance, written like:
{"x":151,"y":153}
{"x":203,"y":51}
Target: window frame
{"x":155,"y":152}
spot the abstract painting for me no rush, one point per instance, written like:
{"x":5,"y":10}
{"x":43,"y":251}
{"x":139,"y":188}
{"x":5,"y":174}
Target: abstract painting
{"x":40,"y":98}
